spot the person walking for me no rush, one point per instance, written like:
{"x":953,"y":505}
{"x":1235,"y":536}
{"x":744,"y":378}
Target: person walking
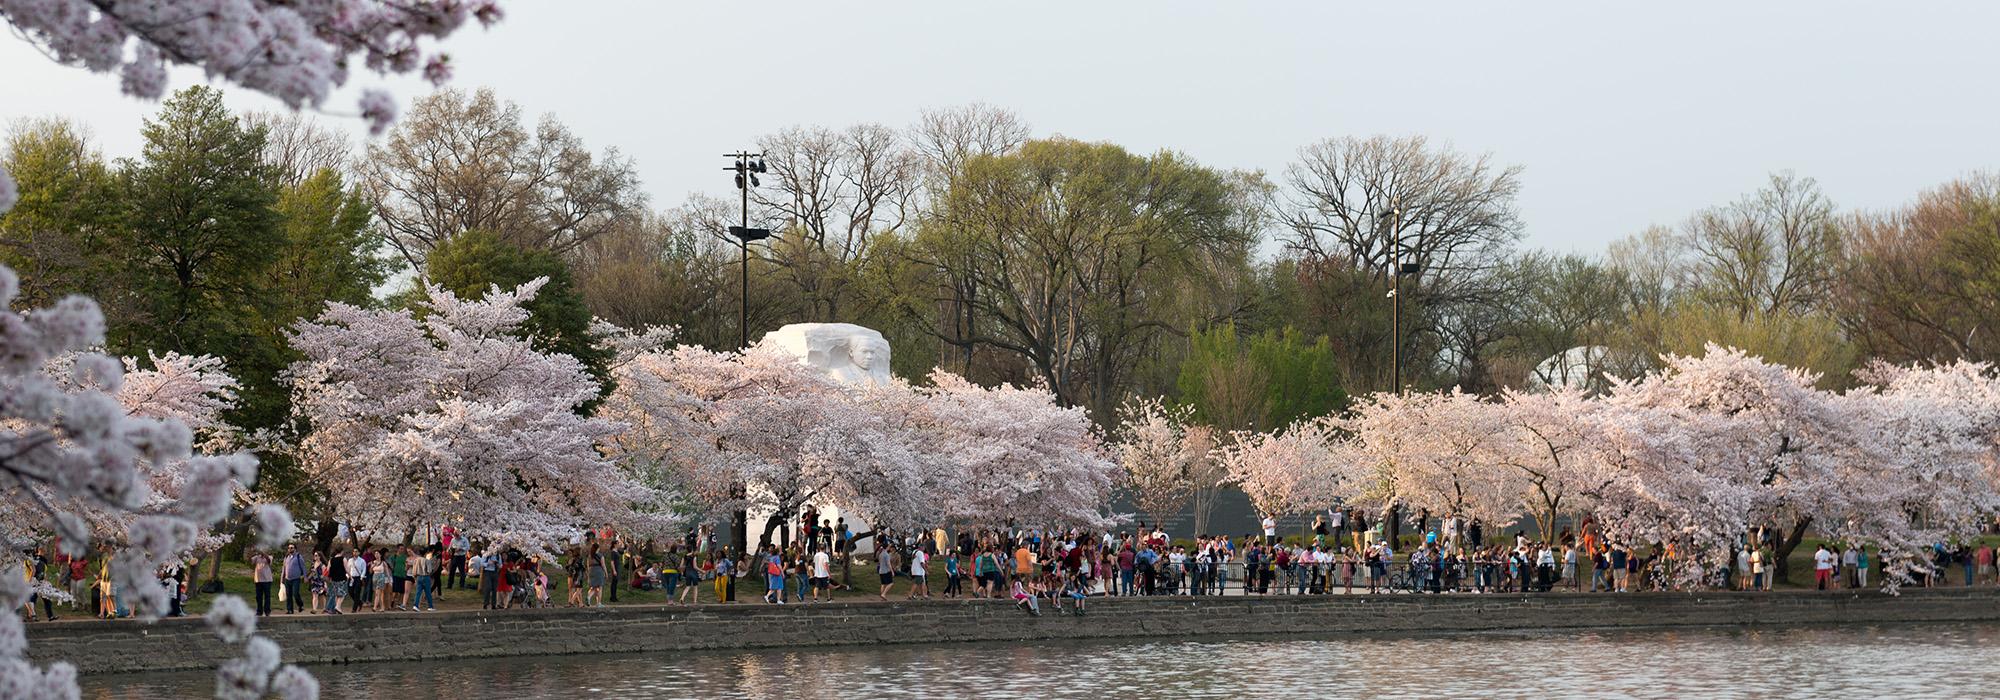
{"x":337,"y":583}
{"x":774,"y":575}
{"x":885,"y":567}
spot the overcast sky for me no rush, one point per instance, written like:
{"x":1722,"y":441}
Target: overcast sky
{"x":1622,"y":114}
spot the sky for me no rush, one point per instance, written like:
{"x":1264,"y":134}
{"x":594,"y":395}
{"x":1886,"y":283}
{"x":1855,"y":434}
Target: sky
{"x":1620,"y":114}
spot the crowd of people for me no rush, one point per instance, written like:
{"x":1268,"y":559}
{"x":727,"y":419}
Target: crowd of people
{"x":1033,"y":568}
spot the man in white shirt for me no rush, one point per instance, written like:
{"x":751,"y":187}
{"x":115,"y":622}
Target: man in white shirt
{"x":919,"y":561}
{"x":1270,"y":529}
{"x":822,"y":575}
{"x":1823,"y":566}
{"x":358,"y":582}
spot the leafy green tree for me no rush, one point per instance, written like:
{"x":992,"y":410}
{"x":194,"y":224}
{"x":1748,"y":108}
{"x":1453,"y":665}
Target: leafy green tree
{"x":1260,"y":382}
{"x":472,"y":263}
{"x":1301,"y":379}
{"x":200,"y":230}
{"x":57,"y":236}
{"x":1075,"y":256}
{"x":330,"y":252}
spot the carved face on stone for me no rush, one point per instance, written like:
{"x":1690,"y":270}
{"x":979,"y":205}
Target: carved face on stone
{"x":846,"y":352}
{"x":868,"y":353}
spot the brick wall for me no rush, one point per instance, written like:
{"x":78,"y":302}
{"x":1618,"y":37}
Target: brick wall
{"x":106,"y":647}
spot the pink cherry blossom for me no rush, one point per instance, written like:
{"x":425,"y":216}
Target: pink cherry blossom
{"x":473,"y":424}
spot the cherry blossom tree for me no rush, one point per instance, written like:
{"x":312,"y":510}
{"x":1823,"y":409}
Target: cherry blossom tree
{"x":1286,"y":472}
{"x":72,"y":456}
{"x":1927,"y":451}
{"x":762,"y":431}
{"x":1019,"y":454}
{"x":450,"y":414}
{"x":1542,"y":440}
{"x":1158,"y":456}
{"x":1793,"y":439}
{"x":193,"y":390}
{"x":1669,"y":475}
{"x":1432,"y":452}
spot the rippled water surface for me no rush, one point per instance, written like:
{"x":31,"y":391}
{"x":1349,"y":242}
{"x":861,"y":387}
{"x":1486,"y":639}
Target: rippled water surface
{"x":1822,"y":662}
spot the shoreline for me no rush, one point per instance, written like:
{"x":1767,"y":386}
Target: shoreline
{"x":184,"y":644}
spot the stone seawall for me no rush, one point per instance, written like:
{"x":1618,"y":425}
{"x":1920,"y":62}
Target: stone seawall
{"x":184,"y":644}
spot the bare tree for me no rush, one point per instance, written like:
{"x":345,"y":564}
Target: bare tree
{"x":1366,"y":204}
{"x":460,"y":162}
{"x":1457,"y":212}
{"x":297,"y":146}
{"x":1773,"y":252}
{"x":1917,"y":283}
{"x":833,"y":193}
{"x":947,"y":138}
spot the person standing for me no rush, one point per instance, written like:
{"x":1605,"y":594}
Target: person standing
{"x":1619,"y":559}
{"x":594,"y":560}
{"x":460,"y":555}
{"x":399,"y":578}
{"x":336,"y":582}
{"x":614,"y":566}
{"x":725,"y":571}
{"x":1569,"y":569}
{"x":1270,"y":529}
{"x":885,"y":567}
{"x":489,"y":579}
{"x":260,"y":575}
{"x":294,"y":571}
{"x":1847,"y":562}
{"x":822,"y":575}
{"x":1823,"y":567}
{"x":1861,"y":566}
{"x":427,"y":568}
{"x":919,"y":572}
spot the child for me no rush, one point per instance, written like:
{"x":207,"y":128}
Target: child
{"x":1025,"y":599}
{"x":1078,"y":593}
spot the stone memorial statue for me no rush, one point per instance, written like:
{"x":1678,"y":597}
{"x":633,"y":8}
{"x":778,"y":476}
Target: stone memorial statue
{"x":847,"y":352}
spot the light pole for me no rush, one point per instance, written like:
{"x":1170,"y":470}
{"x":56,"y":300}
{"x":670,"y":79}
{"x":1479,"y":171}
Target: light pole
{"x":1397,"y":268}
{"x":746,"y":166}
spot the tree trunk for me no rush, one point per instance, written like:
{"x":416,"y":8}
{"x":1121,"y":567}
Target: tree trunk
{"x":1392,"y":526}
{"x":774,"y":522}
{"x":215,"y":570}
{"x":323,"y":536}
{"x":739,"y":531}
{"x":1782,"y":570}
{"x":1204,"y":504}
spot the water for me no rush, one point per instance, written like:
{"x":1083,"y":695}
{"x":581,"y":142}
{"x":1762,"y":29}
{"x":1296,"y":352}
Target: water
{"x":1820,"y":662}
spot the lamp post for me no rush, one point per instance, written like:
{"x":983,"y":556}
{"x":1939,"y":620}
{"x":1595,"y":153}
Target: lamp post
{"x":746,"y":166}
{"x":1397,"y":268}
